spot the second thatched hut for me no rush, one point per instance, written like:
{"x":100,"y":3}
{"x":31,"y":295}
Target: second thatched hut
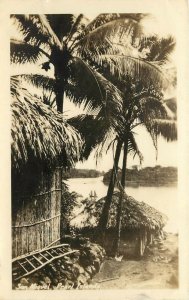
{"x":140,"y":224}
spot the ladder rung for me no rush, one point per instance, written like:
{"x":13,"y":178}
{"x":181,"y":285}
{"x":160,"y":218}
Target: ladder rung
{"x":49,"y":253}
{"x":30,"y":263}
{"x":38,"y":260}
{"x":58,"y":251}
{"x":54,"y":251}
{"x":22,"y":266}
{"x":43,"y":256}
{"x":61,"y":250}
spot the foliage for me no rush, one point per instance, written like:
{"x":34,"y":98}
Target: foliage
{"x":68,"y":203}
{"x":73,"y":44}
{"x":147,"y":176}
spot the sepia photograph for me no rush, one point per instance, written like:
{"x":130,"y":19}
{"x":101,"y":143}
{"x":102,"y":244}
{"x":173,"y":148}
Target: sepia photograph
{"x":95,"y":154}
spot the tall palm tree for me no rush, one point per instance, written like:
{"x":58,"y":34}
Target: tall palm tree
{"x":139,"y":107}
{"x":68,"y":43}
{"x":65,"y":42}
{"x":149,"y":111}
{"x":146,"y":85}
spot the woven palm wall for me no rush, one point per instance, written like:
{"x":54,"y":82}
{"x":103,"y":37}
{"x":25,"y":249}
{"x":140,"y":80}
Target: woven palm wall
{"x":36,"y":213}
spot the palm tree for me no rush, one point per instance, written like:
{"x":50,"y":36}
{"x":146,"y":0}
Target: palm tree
{"x":142,"y":104}
{"x":67,"y":42}
{"x":139,"y":107}
{"x":149,"y":111}
{"x":147,"y":84}
{"x":87,"y":59}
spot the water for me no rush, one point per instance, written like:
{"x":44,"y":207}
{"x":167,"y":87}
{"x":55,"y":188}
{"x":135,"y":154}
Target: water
{"x":162,"y":198}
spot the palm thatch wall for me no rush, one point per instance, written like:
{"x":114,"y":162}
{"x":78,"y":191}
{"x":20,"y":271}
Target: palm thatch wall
{"x":39,"y":133}
{"x":36,"y":213}
{"x":42,"y":143}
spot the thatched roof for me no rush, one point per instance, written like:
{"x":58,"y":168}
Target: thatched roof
{"x":135,"y":214}
{"x":38,"y":132}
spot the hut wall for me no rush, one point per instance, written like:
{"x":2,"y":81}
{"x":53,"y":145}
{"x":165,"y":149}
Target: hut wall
{"x":36,"y":214}
{"x":129,"y":243}
{"x":143,"y":241}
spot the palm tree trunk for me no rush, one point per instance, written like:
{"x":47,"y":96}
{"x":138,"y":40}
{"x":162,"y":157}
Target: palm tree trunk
{"x":120,"y":204}
{"x":105,"y":212}
{"x":59,"y":92}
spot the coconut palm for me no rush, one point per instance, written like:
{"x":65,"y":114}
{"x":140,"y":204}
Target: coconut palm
{"x":140,"y":106}
{"x":86,"y":58}
{"x":68,"y":43}
{"x":151,"y":112}
{"x":147,"y":84}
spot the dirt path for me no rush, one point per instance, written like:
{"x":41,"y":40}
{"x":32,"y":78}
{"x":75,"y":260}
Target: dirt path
{"x":158,"y":269}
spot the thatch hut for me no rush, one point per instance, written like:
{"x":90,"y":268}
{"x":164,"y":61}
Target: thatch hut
{"x":140,"y":224}
{"x":41,"y":142}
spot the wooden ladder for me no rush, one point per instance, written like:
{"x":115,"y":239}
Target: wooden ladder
{"x":27,"y":264}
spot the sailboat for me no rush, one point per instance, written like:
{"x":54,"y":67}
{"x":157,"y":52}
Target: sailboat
{"x":93,"y":195}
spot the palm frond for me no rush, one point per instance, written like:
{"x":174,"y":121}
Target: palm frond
{"x":22,"y":52}
{"x":160,"y":48}
{"x":88,"y":86}
{"x":108,"y":139}
{"x":133,"y":147}
{"x":31,"y":29}
{"x":166,"y":128}
{"x":147,"y":72}
{"x":61,"y":24}
{"x":108,"y":25}
{"x":150,"y":108}
{"x":92,"y":130}
{"x":53,"y":38}
{"x":97,"y":133}
{"x":102,"y":19}
{"x":171,"y":107}
{"x":38,"y":80}
{"x":76,"y":28}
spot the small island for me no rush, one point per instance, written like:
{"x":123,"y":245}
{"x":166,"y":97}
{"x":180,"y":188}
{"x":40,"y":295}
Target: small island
{"x":149,"y":176}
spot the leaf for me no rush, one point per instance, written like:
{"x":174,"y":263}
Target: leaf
{"x":90,"y":88}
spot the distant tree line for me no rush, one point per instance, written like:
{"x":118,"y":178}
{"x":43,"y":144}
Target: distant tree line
{"x":149,"y":176}
{"x":83,"y":173}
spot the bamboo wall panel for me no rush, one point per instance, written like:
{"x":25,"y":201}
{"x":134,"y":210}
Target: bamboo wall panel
{"x":36,"y":216}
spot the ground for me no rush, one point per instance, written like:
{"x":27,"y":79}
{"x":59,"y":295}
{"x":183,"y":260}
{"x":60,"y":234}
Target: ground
{"x":158,"y":269}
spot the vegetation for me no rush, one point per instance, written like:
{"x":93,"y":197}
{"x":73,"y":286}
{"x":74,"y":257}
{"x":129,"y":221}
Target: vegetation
{"x":140,"y":107}
{"x":67,"y":206}
{"x":69,"y":43}
{"x":149,"y":176}
{"x":115,"y":71}
{"x":82,"y":173}
{"x":142,"y":104}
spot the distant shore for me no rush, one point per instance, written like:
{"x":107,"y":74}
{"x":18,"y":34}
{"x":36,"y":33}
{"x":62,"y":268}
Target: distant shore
{"x":83,"y":173}
{"x":149,"y":176}
{"x":147,"y":184}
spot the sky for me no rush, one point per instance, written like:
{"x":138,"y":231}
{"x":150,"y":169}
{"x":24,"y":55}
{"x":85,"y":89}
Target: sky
{"x":167,"y":152}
